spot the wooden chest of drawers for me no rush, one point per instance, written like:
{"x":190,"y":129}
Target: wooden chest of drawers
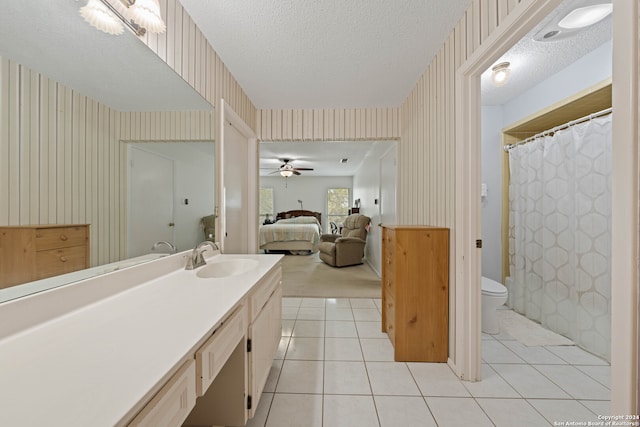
{"x":36,"y":252}
{"x":415,"y":292}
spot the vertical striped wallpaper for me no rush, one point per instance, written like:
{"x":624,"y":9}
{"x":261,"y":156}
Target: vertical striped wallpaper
{"x":328,"y":124}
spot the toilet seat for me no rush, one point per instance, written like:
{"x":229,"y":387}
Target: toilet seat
{"x":493,"y":288}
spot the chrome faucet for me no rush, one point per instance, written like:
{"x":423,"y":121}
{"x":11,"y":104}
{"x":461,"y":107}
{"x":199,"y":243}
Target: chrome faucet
{"x":196,"y":259}
{"x":171,"y":247}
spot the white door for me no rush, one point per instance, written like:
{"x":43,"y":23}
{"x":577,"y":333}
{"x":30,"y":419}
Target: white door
{"x":237,"y":176}
{"x":150,"y":204}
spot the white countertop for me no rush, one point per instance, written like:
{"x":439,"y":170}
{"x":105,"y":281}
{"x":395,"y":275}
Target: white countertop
{"x":90,"y":366}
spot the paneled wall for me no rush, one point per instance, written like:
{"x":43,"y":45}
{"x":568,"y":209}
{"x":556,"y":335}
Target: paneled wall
{"x":185,"y":49}
{"x":329,"y":124}
{"x":62,"y":160}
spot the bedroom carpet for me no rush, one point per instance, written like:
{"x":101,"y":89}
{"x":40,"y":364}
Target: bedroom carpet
{"x":308,"y":276}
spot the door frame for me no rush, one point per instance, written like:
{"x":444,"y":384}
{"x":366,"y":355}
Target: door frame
{"x":228,"y":114}
{"x":467,"y":257}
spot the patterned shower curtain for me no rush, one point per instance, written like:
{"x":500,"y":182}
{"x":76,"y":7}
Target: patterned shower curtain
{"x":560,"y":233}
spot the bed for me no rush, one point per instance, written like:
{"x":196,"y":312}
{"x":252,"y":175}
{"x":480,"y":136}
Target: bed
{"x":296,"y":231}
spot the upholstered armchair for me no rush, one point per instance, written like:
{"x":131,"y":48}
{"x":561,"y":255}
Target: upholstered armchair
{"x":340,"y":250}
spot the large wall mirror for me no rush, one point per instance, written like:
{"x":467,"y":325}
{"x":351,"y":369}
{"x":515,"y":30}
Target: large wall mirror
{"x":75,"y":102}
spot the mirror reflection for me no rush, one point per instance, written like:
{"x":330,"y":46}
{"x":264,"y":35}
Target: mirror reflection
{"x":73,"y":115}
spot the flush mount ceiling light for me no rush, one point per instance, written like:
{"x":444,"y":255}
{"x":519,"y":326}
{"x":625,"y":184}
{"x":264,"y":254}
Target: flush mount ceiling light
{"x":101,"y":17}
{"x":500,"y":74}
{"x":139,"y":15}
{"x":585,"y":16}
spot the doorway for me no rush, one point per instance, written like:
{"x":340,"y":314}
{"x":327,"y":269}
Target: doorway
{"x":624,"y":183}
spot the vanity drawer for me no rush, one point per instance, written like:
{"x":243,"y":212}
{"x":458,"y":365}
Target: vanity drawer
{"x":213,"y":354}
{"x":171,"y":406}
{"x":59,"y":261}
{"x":260,"y":297}
{"x":60,"y":237}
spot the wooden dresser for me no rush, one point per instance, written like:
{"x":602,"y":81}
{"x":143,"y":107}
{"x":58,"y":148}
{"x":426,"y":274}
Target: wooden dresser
{"x":415,"y":292}
{"x":33,"y":252}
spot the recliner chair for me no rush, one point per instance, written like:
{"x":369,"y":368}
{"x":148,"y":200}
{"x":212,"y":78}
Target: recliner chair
{"x":341,"y":250}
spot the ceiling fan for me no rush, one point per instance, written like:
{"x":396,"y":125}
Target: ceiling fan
{"x":287,"y":169}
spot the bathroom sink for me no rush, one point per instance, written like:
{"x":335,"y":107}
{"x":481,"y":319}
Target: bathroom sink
{"x":226,"y":268}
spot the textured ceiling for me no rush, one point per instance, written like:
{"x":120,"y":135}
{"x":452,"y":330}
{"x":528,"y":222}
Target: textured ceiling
{"x":326,"y":53}
{"x":534,"y":61}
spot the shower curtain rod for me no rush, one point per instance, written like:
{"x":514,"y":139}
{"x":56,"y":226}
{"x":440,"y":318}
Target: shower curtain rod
{"x":604,"y":112}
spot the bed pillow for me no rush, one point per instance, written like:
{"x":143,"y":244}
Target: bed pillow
{"x":300,"y":220}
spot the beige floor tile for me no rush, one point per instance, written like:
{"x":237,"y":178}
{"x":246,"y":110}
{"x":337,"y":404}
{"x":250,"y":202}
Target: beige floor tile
{"x":403,"y":411}
{"x":346,"y":378}
{"x":377,"y":350}
{"x":310,"y":313}
{"x":339,"y":314}
{"x":340,"y":329}
{"x":574,"y":355}
{"x":528,"y":382}
{"x":598,"y":407}
{"x":457,"y":411}
{"x":282,"y":348}
{"x":492,"y":385}
{"x":305,"y":349}
{"x":313,"y":302}
{"x":511,"y":412}
{"x":362,"y":303}
{"x":290,"y":313}
{"x":391,"y":379}
{"x":575,"y":382}
{"x":338,"y":303}
{"x":371,"y":330}
{"x":349,"y":411}
{"x":287,"y":327}
{"x":602,"y":374}
{"x":301,"y":376}
{"x":295,"y":410}
{"x":274,"y":375}
{"x":562,"y":410}
{"x":437,"y":379}
{"x":496,"y":352}
{"x":367,"y":314}
{"x":291,"y":302}
{"x":308,"y":329}
{"x":342,"y":349}
{"x":534,"y":355}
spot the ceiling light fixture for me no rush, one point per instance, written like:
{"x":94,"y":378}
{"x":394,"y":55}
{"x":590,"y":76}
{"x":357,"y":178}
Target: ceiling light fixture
{"x":500,"y":74}
{"x":286,"y":173}
{"x":101,"y":17}
{"x":139,"y":15}
{"x":585,"y":16}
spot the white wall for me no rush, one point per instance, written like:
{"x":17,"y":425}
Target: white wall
{"x":194,"y":180}
{"x":585,"y":72}
{"x":311,"y":190}
{"x":366,"y":187}
{"x":492,"y":203}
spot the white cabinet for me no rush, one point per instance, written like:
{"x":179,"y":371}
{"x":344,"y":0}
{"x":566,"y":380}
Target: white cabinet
{"x":264,"y":335}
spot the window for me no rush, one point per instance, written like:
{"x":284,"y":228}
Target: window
{"x":266,"y":205}
{"x":337,"y":206}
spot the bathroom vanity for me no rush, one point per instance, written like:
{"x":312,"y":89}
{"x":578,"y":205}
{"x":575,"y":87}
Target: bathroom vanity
{"x":150,"y":345}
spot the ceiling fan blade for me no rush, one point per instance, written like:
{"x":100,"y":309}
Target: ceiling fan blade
{"x":295,"y":172}
{"x":271,"y":173}
{"x":302,"y":169}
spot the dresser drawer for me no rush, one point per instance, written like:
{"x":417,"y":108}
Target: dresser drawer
{"x":60,"y":237}
{"x":59,"y":261}
{"x":171,"y":406}
{"x":213,"y":354}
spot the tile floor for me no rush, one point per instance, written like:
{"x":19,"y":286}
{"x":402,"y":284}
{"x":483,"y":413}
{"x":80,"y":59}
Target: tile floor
{"x":335,"y":368}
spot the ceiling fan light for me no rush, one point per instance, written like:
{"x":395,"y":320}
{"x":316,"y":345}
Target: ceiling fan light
{"x":286,"y":173}
{"x":100,"y":17}
{"x":500,"y":74}
{"x":146,"y":13}
{"x":585,"y":16}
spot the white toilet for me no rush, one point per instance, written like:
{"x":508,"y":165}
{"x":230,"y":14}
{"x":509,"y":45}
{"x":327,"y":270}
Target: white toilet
{"x":494,"y":294}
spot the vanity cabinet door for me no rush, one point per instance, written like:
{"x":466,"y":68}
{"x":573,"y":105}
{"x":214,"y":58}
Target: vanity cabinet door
{"x":265,"y":333}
